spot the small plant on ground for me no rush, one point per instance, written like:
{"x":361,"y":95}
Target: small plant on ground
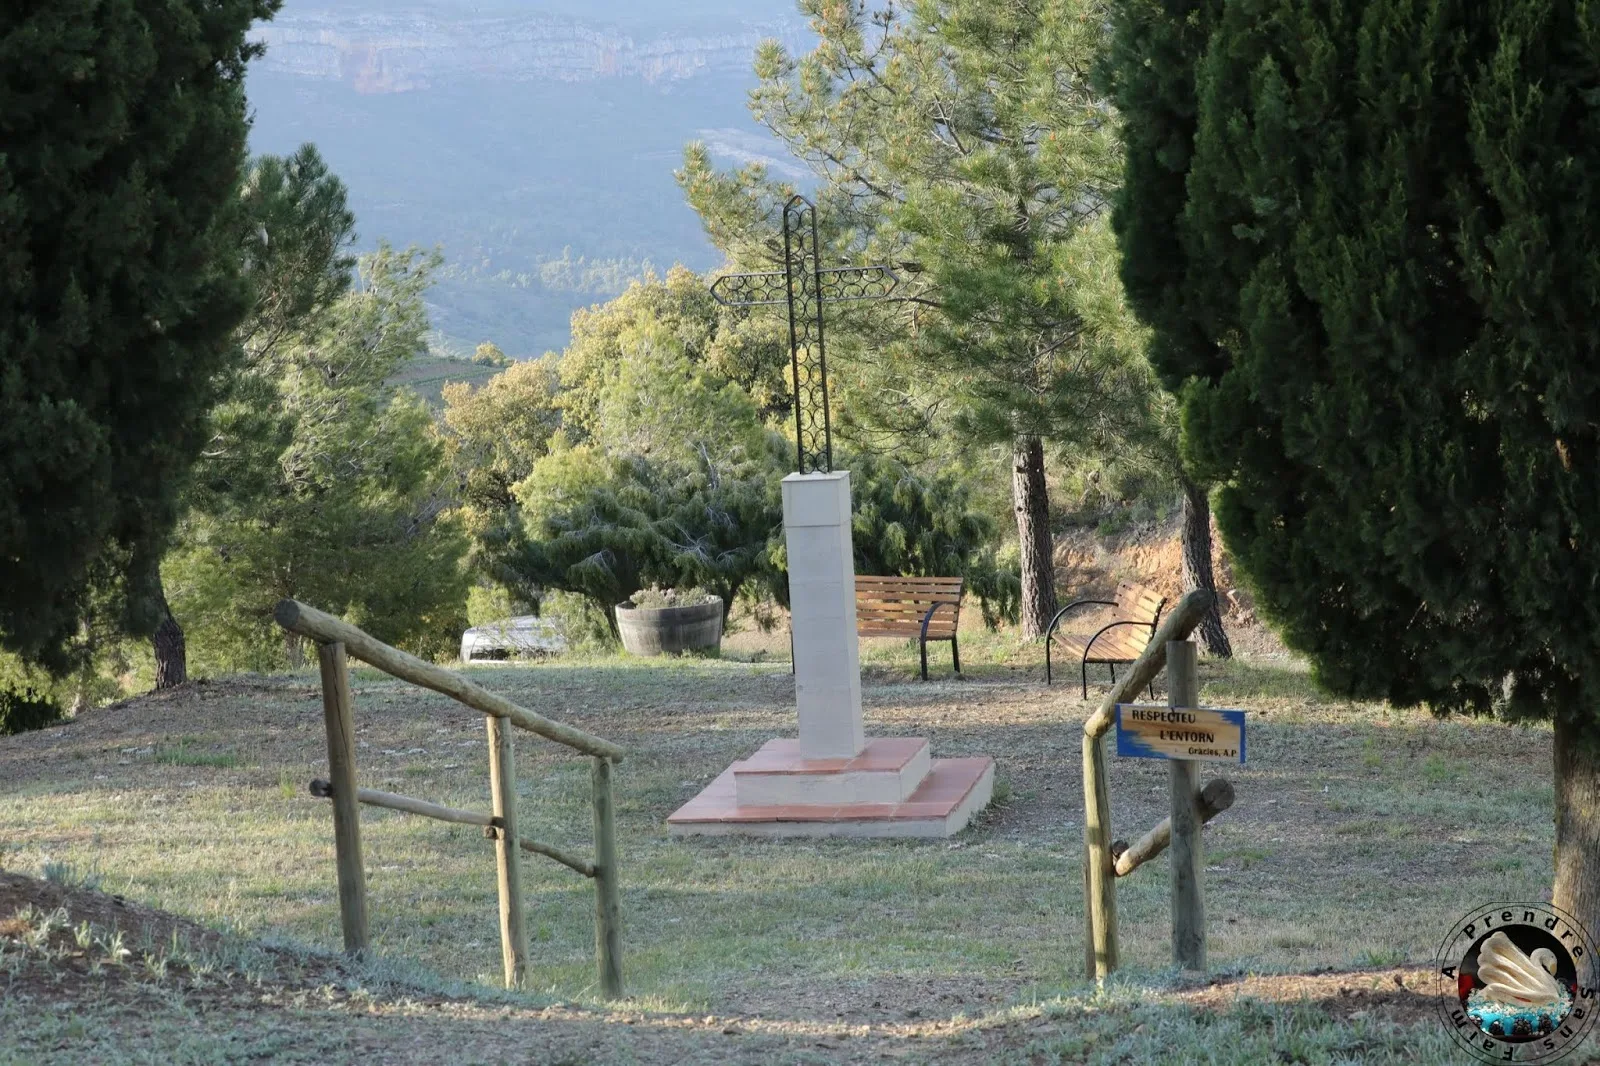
{"x":68,"y":875}
{"x":183,"y":755}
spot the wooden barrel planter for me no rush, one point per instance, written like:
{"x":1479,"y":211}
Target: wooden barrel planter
{"x":670,"y":630}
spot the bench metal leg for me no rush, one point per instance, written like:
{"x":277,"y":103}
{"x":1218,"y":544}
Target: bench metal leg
{"x":1085,"y":673}
{"x":924,"y":645}
{"x":955,"y":654}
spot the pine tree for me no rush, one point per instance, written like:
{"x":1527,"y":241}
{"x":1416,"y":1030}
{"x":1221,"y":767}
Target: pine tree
{"x":354,"y":513}
{"x":1387,"y":234}
{"x":122,"y":137}
{"x":293,"y":233}
{"x":959,"y":141}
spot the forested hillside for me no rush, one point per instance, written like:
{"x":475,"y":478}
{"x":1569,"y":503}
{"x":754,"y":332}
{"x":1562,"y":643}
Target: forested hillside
{"x":533,"y":142}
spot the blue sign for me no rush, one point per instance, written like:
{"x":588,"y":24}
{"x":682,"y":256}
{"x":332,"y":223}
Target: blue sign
{"x":1151,"y":731}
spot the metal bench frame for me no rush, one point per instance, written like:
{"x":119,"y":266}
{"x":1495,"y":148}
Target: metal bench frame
{"x":927,"y":617}
{"x":1088,"y":648}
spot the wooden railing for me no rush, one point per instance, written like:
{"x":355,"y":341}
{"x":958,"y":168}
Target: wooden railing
{"x":335,"y":640}
{"x":1103,"y":863}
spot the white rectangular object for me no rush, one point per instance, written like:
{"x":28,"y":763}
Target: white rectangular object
{"x":822,"y":605}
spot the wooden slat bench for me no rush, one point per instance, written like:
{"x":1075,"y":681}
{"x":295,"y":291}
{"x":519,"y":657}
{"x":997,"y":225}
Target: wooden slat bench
{"x":928,"y":608}
{"x":1122,"y":640}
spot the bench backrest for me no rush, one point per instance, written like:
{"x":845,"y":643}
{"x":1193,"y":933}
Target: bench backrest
{"x":1136,"y":603}
{"x":895,"y":606}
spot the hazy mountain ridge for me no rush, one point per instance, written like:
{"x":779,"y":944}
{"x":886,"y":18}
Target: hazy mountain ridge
{"x":532,"y":141}
{"x":407,"y":51}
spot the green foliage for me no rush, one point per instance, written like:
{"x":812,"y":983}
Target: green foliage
{"x":676,"y":313}
{"x":25,"y":708}
{"x":355,"y":516}
{"x":659,"y":405}
{"x":1149,"y":69}
{"x":297,"y":228}
{"x":1387,"y":236}
{"x":122,"y":138}
{"x":655,"y":599}
{"x":662,"y":471}
{"x":488,"y":353}
{"x":488,"y":602}
{"x":495,"y":433}
{"x":926,"y":527}
{"x":606,"y":526}
{"x":959,"y":142}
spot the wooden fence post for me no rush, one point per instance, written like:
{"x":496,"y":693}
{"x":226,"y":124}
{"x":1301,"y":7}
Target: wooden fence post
{"x":1188,"y":898}
{"x":607,"y":911}
{"x":1101,"y":912}
{"x":1088,"y":918}
{"x":508,"y":861}
{"x":339,"y":720}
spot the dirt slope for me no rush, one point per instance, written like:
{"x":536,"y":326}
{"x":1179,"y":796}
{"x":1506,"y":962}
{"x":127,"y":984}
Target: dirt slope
{"x":171,"y":990}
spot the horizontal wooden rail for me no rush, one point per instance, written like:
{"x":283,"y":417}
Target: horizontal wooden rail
{"x":549,"y":851}
{"x":310,"y":622}
{"x":395,"y":802}
{"x":1215,"y":798}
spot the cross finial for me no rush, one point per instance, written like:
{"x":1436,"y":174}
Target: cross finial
{"x":802,"y":286}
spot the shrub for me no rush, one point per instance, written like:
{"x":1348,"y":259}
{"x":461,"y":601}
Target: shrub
{"x":25,"y":708}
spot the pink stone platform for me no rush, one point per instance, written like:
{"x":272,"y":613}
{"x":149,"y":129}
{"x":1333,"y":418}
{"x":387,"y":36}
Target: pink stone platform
{"x":891,"y":789}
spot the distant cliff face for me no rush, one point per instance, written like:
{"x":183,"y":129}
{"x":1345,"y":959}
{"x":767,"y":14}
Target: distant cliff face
{"x":390,"y":52}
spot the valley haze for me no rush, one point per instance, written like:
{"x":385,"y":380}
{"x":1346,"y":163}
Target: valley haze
{"x":533,"y":143}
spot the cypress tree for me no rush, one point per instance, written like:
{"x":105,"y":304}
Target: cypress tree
{"x":122,"y":134}
{"x":1384,"y":321}
{"x":1149,"y":70}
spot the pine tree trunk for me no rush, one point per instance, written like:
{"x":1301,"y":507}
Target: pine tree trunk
{"x":1032,"y":502}
{"x":172,"y":652}
{"x":1577,"y":778}
{"x":1197,"y":567}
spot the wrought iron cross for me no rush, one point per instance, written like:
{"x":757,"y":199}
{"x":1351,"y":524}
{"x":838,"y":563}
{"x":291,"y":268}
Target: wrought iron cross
{"x":803,"y":285}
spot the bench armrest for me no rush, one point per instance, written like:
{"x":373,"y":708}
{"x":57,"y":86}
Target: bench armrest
{"x":929,"y":616}
{"x":1105,"y":628}
{"x":1056,"y":618}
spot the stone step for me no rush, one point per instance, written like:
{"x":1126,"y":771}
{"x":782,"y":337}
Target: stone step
{"x":952,"y":792}
{"x":888,"y":770}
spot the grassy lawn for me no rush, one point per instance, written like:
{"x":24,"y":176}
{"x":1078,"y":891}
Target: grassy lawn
{"x":1359,"y":833}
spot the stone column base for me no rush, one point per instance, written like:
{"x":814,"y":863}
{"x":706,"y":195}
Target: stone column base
{"x":892,"y":789}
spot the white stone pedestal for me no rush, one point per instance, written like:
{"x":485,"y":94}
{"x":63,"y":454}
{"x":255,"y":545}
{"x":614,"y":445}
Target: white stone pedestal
{"x":833,"y":781}
{"x":822,"y":614}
